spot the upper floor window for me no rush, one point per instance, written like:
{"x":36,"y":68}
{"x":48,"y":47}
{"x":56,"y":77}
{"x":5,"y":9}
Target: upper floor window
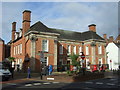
{"x":20,"y":48}
{"x":99,"y":49}
{"x":80,"y":50}
{"x":68,"y":49}
{"x":61,"y":49}
{"x":87,"y":50}
{"x":74,"y":49}
{"x":14,"y":50}
{"x":45,"y":45}
{"x":100,"y":61}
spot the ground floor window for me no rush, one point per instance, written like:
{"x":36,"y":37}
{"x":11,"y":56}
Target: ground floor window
{"x":100,"y":61}
{"x":87,"y":64}
{"x":60,"y":61}
{"x":45,"y":62}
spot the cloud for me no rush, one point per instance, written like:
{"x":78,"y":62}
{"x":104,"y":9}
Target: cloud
{"x":77,"y":16}
{"x":63,"y":15}
{"x":60,"y":0}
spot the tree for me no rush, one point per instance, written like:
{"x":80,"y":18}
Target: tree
{"x":74,"y":58}
{"x":11,"y":59}
{"x":8,"y":62}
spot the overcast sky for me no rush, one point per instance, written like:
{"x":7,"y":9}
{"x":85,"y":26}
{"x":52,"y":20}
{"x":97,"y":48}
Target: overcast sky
{"x":75,"y":16}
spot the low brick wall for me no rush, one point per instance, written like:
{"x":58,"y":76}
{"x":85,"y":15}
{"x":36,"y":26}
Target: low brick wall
{"x":86,"y":77}
{"x":76,"y":78}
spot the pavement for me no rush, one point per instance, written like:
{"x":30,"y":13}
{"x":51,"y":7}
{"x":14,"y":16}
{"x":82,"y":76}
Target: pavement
{"x":22,"y":77}
{"x":56,"y":77}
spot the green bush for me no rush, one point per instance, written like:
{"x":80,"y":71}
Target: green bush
{"x":70,"y":72}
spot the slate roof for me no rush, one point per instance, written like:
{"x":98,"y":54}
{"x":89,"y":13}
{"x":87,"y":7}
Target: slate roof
{"x":65,"y":34}
{"x":1,"y":39}
{"x":117,"y":44}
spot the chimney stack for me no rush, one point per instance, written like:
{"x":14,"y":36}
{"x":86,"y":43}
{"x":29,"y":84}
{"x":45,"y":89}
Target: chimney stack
{"x":111,"y":39}
{"x":26,"y":21}
{"x":92,"y":27}
{"x":13,"y":30}
{"x":105,"y":36}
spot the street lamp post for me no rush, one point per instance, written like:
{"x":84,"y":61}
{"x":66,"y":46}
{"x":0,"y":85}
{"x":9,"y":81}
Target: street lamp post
{"x":83,"y":62}
{"x":41,"y":63}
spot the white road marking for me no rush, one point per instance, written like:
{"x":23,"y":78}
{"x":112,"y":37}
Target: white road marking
{"x":55,"y":82}
{"x":50,"y":78}
{"x":89,"y":82}
{"x":27,"y":85}
{"x":37,"y":84}
{"x":46,"y":83}
{"x":110,"y":84}
{"x":99,"y":83}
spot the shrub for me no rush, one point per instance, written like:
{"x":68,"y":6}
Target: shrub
{"x":70,"y":72}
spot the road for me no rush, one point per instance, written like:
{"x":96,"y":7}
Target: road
{"x":106,"y":83}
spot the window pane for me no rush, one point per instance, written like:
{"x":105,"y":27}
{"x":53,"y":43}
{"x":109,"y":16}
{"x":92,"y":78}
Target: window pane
{"x":68,"y":49}
{"x":44,"y":45}
{"x":100,"y":49}
{"x":80,"y":50}
{"x":74,"y":49}
{"x":61,"y":49}
{"x":87,"y":50}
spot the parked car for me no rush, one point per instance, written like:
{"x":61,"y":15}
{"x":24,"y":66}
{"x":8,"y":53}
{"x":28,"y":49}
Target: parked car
{"x":5,"y":74}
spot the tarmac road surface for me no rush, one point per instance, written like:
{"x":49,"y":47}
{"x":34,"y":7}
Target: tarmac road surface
{"x":106,"y":83}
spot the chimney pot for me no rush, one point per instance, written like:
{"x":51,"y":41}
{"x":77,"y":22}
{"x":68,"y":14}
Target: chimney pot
{"x":92,"y":27}
{"x":14,"y":26}
{"x":111,"y":39}
{"x":105,"y":36}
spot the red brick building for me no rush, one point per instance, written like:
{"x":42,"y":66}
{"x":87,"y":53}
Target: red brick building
{"x":57,"y":44}
{"x":2,"y":50}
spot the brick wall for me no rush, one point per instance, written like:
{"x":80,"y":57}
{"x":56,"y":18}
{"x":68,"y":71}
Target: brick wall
{"x":2,"y":53}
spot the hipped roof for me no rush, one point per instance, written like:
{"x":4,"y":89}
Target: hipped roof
{"x":65,"y":34}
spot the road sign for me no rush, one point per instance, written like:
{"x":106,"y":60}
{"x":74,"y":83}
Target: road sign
{"x":83,"y":56}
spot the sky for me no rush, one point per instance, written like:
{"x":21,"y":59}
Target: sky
{"x":73,"y":16}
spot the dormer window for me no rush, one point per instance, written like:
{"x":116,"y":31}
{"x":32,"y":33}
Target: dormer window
{"x":20,"y":33}
{"x":16,"y":36}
